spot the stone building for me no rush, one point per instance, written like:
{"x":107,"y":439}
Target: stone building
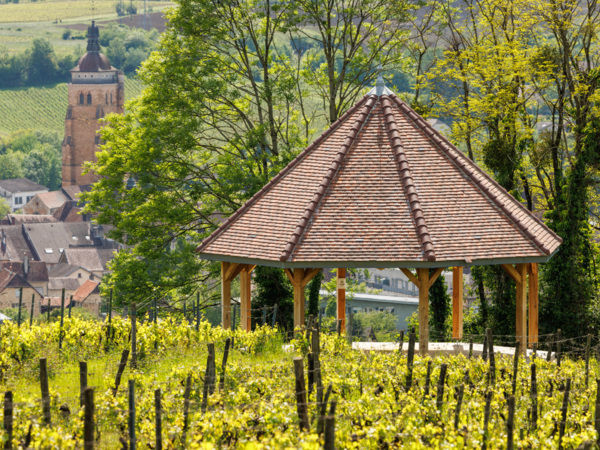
{"x":96,"y":89}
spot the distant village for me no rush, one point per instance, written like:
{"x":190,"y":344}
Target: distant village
{"x":47,"y":246}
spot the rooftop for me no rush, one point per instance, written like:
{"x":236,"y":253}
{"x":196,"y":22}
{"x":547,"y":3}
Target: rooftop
{"x":381,"y":188}
{"x":21,"y":185}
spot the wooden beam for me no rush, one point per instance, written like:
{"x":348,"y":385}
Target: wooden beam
{"x":232,"y":270}
{"x":225,"y":298}
{"x":533,"y":303}
{"x":514,"y":273}
{"x":341,"y":297}
{"x":435,"y":276}
{"x":423,"y":280}
{"x":521,"y":313}
{"x":289,"y":274}
{"x":411,"y":276}
{"x":457,"y":302}
{"x":245,"y":299}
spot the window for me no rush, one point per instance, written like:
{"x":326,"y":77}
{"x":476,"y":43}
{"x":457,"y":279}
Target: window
{"x":111,"y":98}
{"x":81,"y":99}
{"x":106,"y":98}
{"x":28,"y":198}
{"x":89,"y":99}
{"x":96,"y":140}
{"x":18,"y":200}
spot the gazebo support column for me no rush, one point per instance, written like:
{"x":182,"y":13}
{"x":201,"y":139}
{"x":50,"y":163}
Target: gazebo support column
{"x":519,"y":274}
{"x":457,"y":302}
{"x":299,"y":279}
{"x":341,"y":297}
{"x":423,"y":275}
{"x":533,"y":303}
{"x":423,"y":280}
{"x":245,"y":297}
{"x":228,"y":272}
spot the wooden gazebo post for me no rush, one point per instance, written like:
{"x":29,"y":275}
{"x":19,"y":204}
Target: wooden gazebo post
{"x":457,"y":302}
{"x":423,"y":280}
{"x":228,"y":272}
{"x":299,"y":279}
{"x":341,"y":297}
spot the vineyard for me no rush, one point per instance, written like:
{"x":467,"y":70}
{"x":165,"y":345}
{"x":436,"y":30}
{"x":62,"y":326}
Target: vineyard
{"x":42,"y":108}
{"x":194,"y":386}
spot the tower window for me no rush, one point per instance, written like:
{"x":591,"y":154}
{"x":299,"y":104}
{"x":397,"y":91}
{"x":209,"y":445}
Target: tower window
{"x":89,"y":99}
{"x":106,"y":99}
{"x":97,"y":140}
{"x":81,"y":99}
{"x":111,"y":102}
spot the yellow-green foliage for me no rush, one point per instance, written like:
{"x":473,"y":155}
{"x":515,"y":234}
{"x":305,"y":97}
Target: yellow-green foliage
{"x":257,"y":408}
{"x":42,"y":108}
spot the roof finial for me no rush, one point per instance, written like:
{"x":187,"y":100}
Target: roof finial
{"x":380,"y":84}
{"x":380,"y":87}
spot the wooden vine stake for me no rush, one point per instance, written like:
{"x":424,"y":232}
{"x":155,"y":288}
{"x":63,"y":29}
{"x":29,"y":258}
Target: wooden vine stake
{"x":83,"y":378}
{"x":62,"y":319}
{"x":510,"y":423}
{"x":88,"y":419}
{"x":565,"y":407}
{"x":329,"y":443}
{"x":224,"y":364}
{"x":322,"y":409}
{"x":209,"y":376}
{"x":490,"y":344}
{"x":45,"y":391}
{"x":439,"y":400}
{"x":31,"y":311}
{"x":301,"y":402}
{"x":460,"y":390}
{"x":427,"y":379}
{"x":534,"y":398}
{"x":597,"y":412}
{"x":515,"y":367}
{"x":120,"y":370}
{"x":186,"y":408}
{"x":131,"y":416}
{"x":133,"y":336}
{"x":8,"y":420}
{"x":486,"y":417}
{"x":409,"y":359}
{"x":558,"y":347}
{"x":157,"y":420}
{"x":588,"y":343}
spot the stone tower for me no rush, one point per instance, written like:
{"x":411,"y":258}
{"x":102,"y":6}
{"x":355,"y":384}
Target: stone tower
{"x":96,"y":89}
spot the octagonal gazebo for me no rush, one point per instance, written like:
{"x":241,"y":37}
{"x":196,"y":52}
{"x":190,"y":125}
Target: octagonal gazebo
{"x":381,"y":188}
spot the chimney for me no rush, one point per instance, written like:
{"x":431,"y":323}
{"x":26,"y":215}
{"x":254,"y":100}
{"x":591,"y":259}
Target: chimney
{"x":3,"y":242}
{"x":26,"y":266}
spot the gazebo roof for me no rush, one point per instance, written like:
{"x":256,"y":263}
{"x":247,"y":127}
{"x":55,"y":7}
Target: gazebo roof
{"x":381,"y":188}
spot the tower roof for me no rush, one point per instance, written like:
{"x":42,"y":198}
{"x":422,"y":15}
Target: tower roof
{"x":381,"y":188}
{"x":93,"y":60}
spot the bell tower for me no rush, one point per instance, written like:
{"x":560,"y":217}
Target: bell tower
{"x":96,"y":89}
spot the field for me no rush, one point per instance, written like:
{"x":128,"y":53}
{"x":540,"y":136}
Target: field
{"x":377,"y":400}
{"x":42,"y":108}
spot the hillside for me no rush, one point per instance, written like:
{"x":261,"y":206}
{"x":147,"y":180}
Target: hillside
{"x":42,"y":108}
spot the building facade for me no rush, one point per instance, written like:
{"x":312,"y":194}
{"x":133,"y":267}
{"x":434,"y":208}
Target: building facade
{"x":96,"y":89}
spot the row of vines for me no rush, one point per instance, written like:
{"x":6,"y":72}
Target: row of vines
{"x":443,"y":405}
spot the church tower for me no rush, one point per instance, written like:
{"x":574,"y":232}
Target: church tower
{"x":96,"y":89}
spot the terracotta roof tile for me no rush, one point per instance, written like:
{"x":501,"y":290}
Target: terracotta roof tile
{"x":381,"y":186}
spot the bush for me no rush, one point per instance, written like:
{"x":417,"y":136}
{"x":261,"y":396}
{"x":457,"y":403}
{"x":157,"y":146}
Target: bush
{"x":66,"y":34}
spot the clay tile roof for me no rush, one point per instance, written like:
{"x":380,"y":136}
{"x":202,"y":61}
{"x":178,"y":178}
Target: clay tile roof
{"x":87,"y":288}
{"x":17,"y":219}
{"x":21,"y":185}
{"x":381,"y":188}
{"x":52,"y":199}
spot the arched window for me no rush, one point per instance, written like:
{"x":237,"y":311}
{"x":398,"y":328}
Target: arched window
{"x":111,"y":98}
{"x":106,"y":99}
{"x":89,"y":99}
{"x":81,"y":98}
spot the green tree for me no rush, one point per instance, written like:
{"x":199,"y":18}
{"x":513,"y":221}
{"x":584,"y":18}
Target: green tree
{"x":272,"y":288}
{"x":11,"y":166}
{"x":4,"y":207}
{"x":439,"y":302}
{"x":43,"y":165}
{"x":41,"y":63}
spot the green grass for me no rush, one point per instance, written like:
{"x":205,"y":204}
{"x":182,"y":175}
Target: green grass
{"x":42,"y":108}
